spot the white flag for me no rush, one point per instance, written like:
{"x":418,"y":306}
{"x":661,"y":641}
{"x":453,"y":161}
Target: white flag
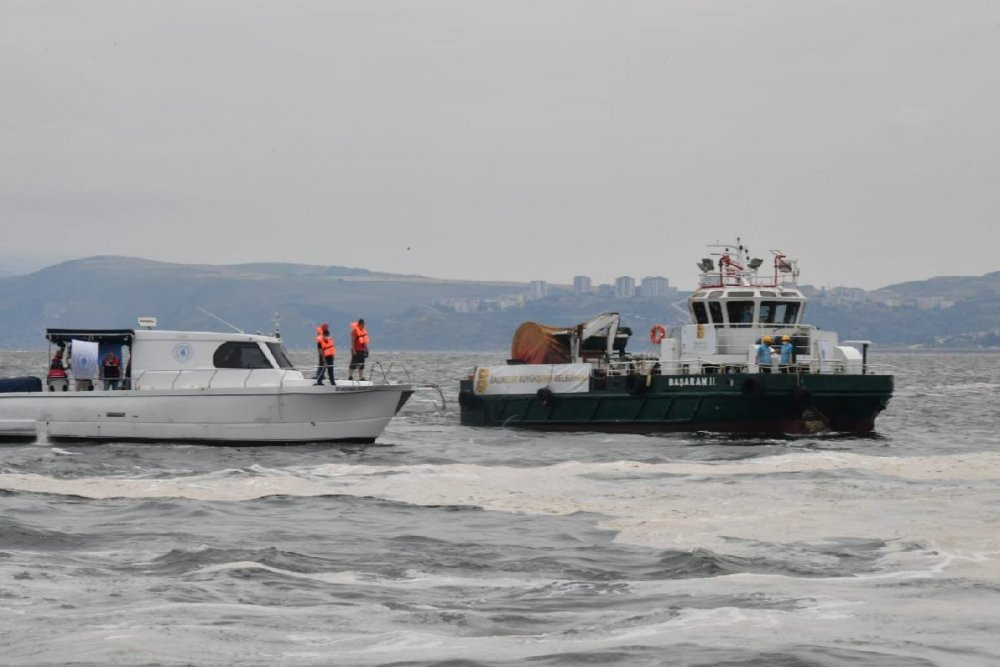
{"x":83,"y":359}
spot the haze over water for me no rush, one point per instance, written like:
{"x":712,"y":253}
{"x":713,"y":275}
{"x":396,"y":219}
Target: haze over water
{"x":497,"y":547}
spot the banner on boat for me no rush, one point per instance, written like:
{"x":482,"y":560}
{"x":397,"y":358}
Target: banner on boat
{"x":529,"y":378}
{"x":83,"y":359}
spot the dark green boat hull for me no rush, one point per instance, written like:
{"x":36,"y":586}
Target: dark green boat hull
{"x":723,"y":402}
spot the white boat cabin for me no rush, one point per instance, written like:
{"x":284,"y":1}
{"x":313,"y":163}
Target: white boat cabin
{"x":152,"y":359}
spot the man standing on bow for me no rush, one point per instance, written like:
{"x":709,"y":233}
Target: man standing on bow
{"x":359,"y":349}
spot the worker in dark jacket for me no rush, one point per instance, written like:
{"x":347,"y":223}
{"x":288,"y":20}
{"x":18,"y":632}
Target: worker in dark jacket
{"x":111,"y":369}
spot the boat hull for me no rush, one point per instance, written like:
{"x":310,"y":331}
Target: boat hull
{"x":225,"y":416}
{"x":740,"y":403}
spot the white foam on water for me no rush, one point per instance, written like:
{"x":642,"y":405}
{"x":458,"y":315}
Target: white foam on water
{"x":413,"y":579}
{"x":721,"y":506}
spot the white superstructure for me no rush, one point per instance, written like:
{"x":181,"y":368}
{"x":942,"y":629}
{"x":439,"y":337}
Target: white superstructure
{"x":740,"y":300}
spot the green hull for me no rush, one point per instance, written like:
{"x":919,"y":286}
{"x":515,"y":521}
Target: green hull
{"x":663,"y":403}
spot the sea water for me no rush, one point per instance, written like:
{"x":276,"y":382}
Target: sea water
{"x":443,"y":543}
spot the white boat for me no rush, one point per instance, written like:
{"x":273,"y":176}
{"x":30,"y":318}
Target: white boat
{"x":212,"y":387}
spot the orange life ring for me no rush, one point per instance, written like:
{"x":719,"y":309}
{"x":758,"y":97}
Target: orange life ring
{"x":657,"y":334}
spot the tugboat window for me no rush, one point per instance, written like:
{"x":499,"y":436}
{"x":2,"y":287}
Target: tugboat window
{"x":240,"y":355}
{"x":767,"y":312}
{"x":700,"y":316}
{"x":279,"y":354}
{"x":791,"y":311}
{"x":715,"y":310}
{"x":740,"y":313}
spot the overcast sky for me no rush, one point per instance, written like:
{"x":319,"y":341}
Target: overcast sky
{"x":506,"y":140}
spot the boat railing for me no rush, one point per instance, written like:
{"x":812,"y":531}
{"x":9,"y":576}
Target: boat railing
{"x":709,"y":366}
{"x":209,"y":378}
{"x":804,"y":366}
{"x":386,"y":371}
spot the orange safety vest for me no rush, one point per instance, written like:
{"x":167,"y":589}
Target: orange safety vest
{"x":359,"y":338}
{"x":326,"y":343}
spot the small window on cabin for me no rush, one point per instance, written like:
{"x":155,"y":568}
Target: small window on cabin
{"x":715,"y":294}
{"x":740,"y":294}
{"x":700,"y":316}
{"x":240,"y":355}
{"x":767,"y":311}
{"x":768,"y":293}
{"x":790,"y":294}
{"x":715,"y":310}
{"x":740,"y":313}
{"x":791,"y":313}
{"x":280,"y":355}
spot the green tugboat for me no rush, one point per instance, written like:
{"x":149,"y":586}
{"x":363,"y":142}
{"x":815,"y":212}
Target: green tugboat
{"x":726,"y":371}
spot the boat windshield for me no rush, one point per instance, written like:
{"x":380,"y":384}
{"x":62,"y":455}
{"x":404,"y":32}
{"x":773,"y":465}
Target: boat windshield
{"x":700,"y":316}
{"x":778,"y":312}
{"x":715,"y":308}
{"x":740,"y":313}
{"x":280,"y":355}
{"x":240,"y":355}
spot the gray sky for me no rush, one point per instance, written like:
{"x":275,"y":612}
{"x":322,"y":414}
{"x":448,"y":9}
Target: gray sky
{"x":506,"y":140}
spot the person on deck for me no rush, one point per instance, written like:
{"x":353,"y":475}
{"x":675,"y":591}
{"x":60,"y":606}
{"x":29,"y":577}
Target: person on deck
{"x":787,"y":354}
{"x":111,"y":371}
{"x":359,"y":349}
{"x":57,"y":378}
{"x":764,"y":354}
{"x":327,"y":352}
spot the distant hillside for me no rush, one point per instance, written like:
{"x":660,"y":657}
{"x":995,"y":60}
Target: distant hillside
{"x":419,"y":312}
{"x":951,"y":287}
{"x":113,"y":291}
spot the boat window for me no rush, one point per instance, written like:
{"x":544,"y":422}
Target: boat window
{"x":740,"y":312}
{"x":240,"y":355}
{"x":716,"y":293}
{"x":790,"y":294}
{"x":767,"y":312}
{"x":789,"y":313}
{"x":700,"y":316}
{"x":715,"y":310}
{"x":740,"y":294}
{"x":768,"y":293}
{"x":280,"y":355}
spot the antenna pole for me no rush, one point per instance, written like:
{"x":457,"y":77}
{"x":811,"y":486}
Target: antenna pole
{"x":213,"y":315}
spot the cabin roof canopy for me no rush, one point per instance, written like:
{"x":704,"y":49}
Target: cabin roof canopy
{"x":63,"y":336}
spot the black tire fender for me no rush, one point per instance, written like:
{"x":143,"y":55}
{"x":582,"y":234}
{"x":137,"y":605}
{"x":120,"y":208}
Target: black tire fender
{"x":752,"y":387}
{"x":545,"y":396}
{"x":467,"y":399}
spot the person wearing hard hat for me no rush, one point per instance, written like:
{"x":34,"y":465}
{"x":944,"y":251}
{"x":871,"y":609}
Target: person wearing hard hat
{"x":764,"y":354}
{"x":787,"y":354}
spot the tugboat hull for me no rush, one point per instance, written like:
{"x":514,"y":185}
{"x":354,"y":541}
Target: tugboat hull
{"x":741,"y":403}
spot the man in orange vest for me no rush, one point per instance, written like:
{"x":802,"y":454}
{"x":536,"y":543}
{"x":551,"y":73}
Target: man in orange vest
{"x":326,"y":351}
{"x":359,"y":349}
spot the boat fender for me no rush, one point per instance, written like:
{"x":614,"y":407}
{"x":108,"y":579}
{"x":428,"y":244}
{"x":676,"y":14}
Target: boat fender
{"x":545,"y":396}
{"x":752,"y":387}
{"x":657,"y":334}
{"x":467,"y":399}
{"x":802,"y":398}
{"x":635,"y":383}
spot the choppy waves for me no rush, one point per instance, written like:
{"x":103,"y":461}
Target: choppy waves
{"x":499,"y":547}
